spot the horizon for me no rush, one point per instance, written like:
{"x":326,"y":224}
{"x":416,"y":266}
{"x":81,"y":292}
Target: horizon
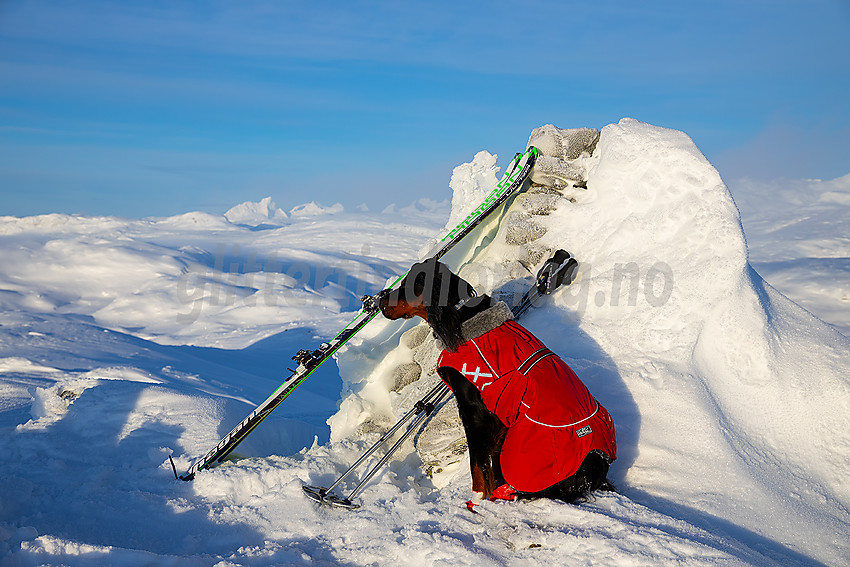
{"x":155,"y":110}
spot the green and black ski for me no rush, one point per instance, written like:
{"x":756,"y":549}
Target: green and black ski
{"x":516,"y":177}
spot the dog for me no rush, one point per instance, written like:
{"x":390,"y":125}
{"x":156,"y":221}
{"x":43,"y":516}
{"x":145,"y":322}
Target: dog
{"x":532,"y":427}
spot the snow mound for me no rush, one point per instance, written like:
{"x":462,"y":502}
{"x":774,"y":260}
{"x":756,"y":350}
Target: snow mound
{"x":55,"y":222}
{"x":668,"y":293}
{"x":264,"y":212}
{"x":698,"y":359}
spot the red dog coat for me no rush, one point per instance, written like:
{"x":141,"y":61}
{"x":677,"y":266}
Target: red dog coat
{"x":553,"y":421}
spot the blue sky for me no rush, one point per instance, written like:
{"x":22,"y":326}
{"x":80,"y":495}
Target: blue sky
{"x":158,"y":108}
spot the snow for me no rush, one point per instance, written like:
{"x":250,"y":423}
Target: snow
{"x":123,"y":341}
{"x":804,"y":249}
{"x":470,"y":183}
{"x":266,"y":212}
{"x":313,"y":209}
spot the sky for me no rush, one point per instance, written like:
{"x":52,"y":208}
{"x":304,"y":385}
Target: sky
{"x":154,"y":108}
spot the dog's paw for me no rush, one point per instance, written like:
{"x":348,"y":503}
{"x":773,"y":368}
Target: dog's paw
{"x":476,"y":499}
{"x":504,"y":492}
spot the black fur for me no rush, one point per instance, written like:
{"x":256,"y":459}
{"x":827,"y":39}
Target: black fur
{"x":591,"y":475}
{"x":446,"y":298}
{"x":484,"y":432}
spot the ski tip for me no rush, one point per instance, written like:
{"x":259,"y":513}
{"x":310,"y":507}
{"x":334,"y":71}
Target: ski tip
{"x":173,"y":467}
{"x":187,"y":476}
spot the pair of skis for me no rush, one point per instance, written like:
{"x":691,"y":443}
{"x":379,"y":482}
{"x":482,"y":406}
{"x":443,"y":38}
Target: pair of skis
{"x":559,"y":270}
{"x":517,"y":176}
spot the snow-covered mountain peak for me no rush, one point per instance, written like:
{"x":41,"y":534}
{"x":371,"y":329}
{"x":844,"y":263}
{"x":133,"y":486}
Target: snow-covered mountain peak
{"x":258,"y":213}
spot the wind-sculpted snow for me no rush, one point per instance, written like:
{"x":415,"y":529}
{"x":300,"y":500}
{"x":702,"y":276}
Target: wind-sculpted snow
{"x":742,"y":396}
{"x":712,"y":377}
{"x":123,"y":341}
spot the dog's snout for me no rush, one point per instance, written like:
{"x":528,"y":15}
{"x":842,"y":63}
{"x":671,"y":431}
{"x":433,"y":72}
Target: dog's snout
{"x":385,"y":302}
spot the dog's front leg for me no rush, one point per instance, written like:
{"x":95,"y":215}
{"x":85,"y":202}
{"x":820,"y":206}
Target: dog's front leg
{"x":484,"y":433}
{"x":485,"y":464}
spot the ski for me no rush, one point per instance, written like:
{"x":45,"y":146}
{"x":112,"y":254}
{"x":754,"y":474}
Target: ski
{"x":516,"y":176}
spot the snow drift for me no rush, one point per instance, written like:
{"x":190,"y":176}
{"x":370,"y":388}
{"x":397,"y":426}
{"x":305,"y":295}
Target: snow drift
{"x":730,"y":400}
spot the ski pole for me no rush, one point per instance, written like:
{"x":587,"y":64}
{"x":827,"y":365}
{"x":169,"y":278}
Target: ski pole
{"x":422,"y":409}
{"x":422,"y":416}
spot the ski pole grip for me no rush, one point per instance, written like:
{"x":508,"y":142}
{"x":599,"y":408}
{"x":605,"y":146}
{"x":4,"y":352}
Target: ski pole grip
{"x":558,"y":270}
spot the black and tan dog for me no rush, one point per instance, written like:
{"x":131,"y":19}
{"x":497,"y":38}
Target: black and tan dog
{"x":532,"y":427}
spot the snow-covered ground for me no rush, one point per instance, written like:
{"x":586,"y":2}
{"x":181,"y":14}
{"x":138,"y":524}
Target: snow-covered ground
{"x":798,"y":234}
{"x":123,"y":341}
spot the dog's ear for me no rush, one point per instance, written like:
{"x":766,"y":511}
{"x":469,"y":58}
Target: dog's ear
{"x":460,"y":292}
{"x":442,"y":293}
{"x":450,"y":292}
{"x":446,"y":324}
{"x":421,"y":281}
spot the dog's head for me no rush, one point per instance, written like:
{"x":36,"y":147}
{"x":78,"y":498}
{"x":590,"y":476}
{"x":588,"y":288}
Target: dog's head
{"x":431,"y":291}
